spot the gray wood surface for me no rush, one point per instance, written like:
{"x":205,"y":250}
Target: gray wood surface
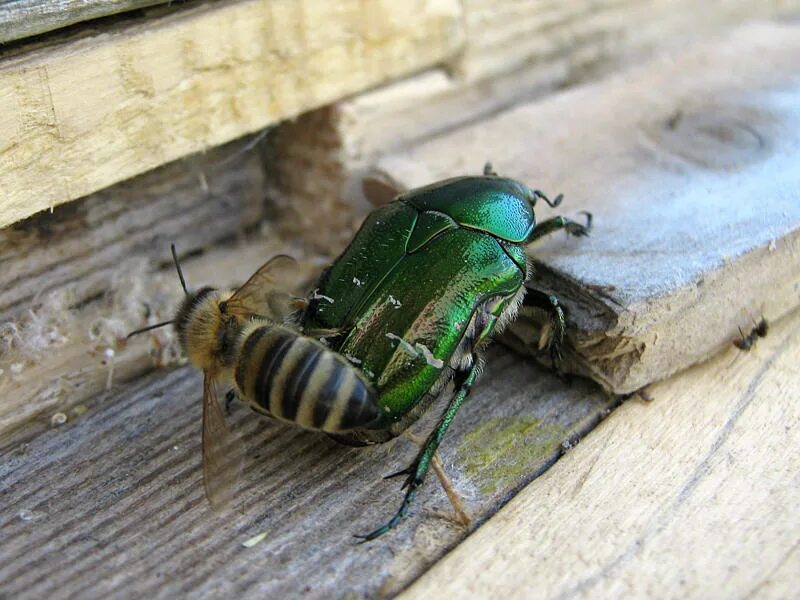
{"x":690,"y":496}
{"x":25,"y":18}
{"x":195,"y":203}
{"x":515,"y":50}
{"x":690,"y":165}
{"x":112,"y":506}
{"x":75,"y":281}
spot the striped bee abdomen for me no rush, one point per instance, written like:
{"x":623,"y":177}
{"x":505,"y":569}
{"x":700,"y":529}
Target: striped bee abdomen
{"x":296,"y":378}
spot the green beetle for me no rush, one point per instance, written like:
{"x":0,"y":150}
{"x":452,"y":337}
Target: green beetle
{"x":422,"y":286}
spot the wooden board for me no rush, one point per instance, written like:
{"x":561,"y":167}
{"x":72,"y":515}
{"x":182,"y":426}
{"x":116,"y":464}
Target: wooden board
{"x":514,"y":50}
{"x":694,"y":190}
{"x":24,"y":18}
{"x":693,"y":495}
{"x":112,"y":505}
{"x":74,"y":283}
{"x":80,"y":114}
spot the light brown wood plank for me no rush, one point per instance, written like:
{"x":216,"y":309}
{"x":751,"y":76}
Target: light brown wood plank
{"x":25,"y":18}
{"x":82,"y":114}
{"x":689,"y":165}
{"x":112,"y":504}
{"x":693,"y":495}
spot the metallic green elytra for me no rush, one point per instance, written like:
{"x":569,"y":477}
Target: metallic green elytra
{"x":422,"y":286}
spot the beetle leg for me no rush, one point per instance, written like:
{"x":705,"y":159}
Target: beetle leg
{"x":572,"y":227}
{"x":419,"y":468}
{"x":549,"y":303}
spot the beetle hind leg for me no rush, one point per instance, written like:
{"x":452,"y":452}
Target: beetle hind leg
{"x":419,"y":468}
{"x":557,"y":323}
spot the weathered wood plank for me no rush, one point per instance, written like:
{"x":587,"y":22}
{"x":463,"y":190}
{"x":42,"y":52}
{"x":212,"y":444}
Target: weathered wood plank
{"x":25,"y":18}
{"x":195,"y":203}
{"x":79,"y":115}
{"x":112,"y":505}
{"x":693,"y":495}
{"x":75,"y":282}
{"x":514,"y":50}
{"x":60,"y":356}
{"x":693,"y":187}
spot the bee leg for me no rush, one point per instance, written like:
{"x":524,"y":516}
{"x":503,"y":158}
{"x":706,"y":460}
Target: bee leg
{"x":419,"y":468}
{"x":549,"y":303}
{"x":230,"y":396}
{"x":323,"y":333}
{"x":572,"y":227}
{"x":461,"y":515}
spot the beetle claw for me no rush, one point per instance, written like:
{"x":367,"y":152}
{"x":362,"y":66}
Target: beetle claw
{"x":588,"y":227}
{"x":406,"y":471}
{"x":579,"y":230}
{"x":551,"y":203}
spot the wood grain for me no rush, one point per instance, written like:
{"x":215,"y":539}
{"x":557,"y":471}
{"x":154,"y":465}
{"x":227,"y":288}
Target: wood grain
{"x":76,"y":282}
{"x":694,"y":190}
{"x":25,"y":18}
{"x":112,"y":506}
{"x":79,"y":115}
{"x":514,"y":50}
{"x":693,"y":495}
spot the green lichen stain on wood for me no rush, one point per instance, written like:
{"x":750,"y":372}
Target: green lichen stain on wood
{"x":502,"y":451}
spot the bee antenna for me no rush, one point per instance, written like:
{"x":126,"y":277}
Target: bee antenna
{"x":148,"y":328}
{"x":178,"y":267}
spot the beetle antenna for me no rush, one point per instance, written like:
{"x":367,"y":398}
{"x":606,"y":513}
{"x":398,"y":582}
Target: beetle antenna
{"x":178,"y":267}
{"x":552,"y":203}
{"x":148,"y":328}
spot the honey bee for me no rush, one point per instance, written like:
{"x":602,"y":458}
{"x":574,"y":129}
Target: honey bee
{"x":246,"y":338}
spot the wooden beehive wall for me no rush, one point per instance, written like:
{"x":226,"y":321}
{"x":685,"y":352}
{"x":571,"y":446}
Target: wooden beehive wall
{"x":242,"y":129}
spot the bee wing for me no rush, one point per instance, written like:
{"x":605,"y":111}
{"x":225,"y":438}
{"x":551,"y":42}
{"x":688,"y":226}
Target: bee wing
{"x":259,"y":296}
{"x":222,"y":450}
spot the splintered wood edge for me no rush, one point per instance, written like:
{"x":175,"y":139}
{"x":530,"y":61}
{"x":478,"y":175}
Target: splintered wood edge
{"x":606,"y":345}
{"x":638,"y":505}
{"x":79,"y":115}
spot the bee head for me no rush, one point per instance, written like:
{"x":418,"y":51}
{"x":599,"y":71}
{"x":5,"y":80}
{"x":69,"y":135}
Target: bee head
{"x":199,"y":306}
{"x":206,"y":336}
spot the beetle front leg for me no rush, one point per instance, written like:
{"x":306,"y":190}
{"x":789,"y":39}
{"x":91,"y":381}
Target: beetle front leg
{"x":419,"y":468}
{"x":549,"y":303}
{"x":572,"y":227}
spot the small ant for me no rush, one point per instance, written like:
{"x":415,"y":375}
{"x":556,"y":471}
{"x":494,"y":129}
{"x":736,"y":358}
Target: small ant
{"x":747,"y":341}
